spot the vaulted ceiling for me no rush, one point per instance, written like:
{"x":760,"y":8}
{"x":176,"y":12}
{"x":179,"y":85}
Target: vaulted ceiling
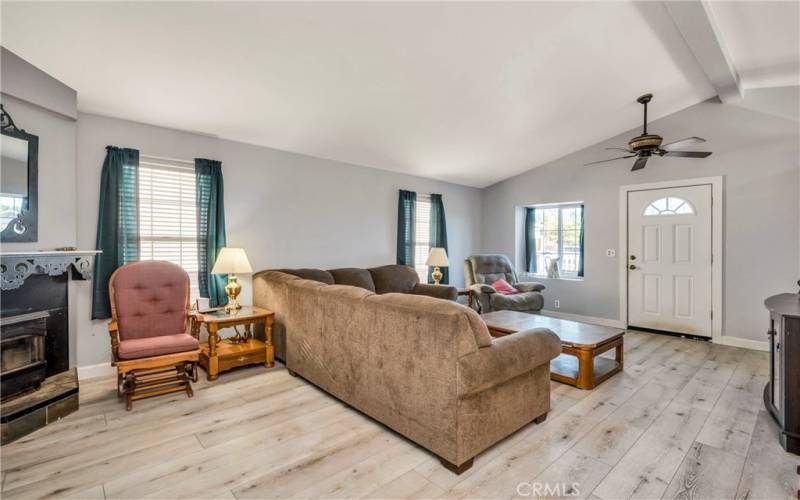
{"x":470,"y":93}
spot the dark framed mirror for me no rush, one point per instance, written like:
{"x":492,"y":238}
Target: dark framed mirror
{"x":19,"y":172}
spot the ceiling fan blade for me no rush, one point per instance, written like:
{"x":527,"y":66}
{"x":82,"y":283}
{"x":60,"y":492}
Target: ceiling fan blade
{"x":620,"y":149}
{"x":610,"y":159}
{"x":640,"y":163}
{"x":682,"y":143}
{"x":688,"y":154}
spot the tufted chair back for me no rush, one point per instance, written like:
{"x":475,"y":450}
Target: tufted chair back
{"x":149,"y":299}
{"x":486,"y":269}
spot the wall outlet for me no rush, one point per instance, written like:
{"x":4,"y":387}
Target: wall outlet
{"x":557,"y":304}
{"x":610,"y":252}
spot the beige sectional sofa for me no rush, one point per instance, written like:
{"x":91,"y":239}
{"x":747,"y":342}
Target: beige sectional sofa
{"x":423,"y":366}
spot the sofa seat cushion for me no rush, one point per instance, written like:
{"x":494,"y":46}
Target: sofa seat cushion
{"x":353,"y":276}
{"x":156,"y":346}
{"x":526,"y":301}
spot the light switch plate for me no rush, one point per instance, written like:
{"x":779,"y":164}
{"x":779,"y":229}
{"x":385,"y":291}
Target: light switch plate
{"x":610,"y":252}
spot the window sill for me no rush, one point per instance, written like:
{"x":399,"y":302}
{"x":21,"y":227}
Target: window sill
{"x":537,"y":277}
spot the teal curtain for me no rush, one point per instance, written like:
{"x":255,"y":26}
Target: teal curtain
{"x":438,"y":234}
{"x":406,"y":210}
{"x":580,"y":243}
{"x":530,"y":239}
{"x":210,"y":228}
{"x":117,"y":222}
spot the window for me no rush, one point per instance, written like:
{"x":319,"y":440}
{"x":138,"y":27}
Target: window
{"x":558,"y":230}
{"x":168,"y":215}
{"x":422,"y":235}
{"x":670,"y":205}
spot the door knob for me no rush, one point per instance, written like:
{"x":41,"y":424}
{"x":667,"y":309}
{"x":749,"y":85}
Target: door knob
{"x":633,"y":257}
{"x":631,"y":267}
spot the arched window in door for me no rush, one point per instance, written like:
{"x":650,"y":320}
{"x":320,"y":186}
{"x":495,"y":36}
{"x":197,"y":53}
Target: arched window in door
{"x":671,"y":205}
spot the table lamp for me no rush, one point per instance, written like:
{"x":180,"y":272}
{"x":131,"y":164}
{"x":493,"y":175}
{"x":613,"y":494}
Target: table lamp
{"x":231,"y":261}
{"x":437,"y":258}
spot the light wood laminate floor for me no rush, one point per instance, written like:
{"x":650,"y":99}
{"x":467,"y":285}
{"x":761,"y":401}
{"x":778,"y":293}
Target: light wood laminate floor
{"x":685,"y":419}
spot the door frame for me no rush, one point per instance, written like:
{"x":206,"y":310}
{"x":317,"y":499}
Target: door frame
{"x":716,"y":184}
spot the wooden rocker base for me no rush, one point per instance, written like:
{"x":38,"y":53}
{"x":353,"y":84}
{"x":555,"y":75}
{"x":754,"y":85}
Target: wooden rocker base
{"x":140,"y":383}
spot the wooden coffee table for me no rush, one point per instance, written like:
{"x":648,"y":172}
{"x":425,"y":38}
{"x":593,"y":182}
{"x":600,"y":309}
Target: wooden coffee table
{"x":581,"y":343}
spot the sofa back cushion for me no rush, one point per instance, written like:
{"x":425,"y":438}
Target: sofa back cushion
{"x":486,"y":269}
{"x":150,"y":299}
{"x":394,"y":278}
{"x":308,"y":274}
{"x":353,"y":276}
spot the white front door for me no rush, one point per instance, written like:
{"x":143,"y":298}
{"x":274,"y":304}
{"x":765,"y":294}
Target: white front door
{"x":669,"y":259}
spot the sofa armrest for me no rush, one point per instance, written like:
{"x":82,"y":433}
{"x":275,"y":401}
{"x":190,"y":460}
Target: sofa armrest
{"x":507,"y":357}
{"x":436,"y":291}
{"x":529,"y":286}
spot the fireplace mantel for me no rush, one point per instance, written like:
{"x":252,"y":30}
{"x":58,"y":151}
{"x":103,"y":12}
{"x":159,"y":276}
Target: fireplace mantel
{"x":15,"y":267}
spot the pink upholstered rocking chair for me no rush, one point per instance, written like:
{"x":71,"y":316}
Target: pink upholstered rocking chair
{"x":153,"y":352}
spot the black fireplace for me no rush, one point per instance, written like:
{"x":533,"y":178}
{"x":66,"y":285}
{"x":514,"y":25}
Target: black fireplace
{"x":23,"y":366}
{"x":34,"y":334}
{"x":37,"y":385}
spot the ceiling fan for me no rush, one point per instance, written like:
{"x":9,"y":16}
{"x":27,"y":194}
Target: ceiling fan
{"x":646,"y":145}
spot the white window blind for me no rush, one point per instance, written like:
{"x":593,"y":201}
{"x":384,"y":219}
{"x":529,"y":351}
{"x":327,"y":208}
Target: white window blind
{"x":422,"y":235}
{"x":168,"y":215}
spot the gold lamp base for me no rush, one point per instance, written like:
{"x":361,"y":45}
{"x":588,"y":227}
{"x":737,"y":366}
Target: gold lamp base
{"x":437,"y":275}
{"x":232,"y":289}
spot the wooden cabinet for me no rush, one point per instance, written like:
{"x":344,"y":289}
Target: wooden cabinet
{"x":782,"y":393}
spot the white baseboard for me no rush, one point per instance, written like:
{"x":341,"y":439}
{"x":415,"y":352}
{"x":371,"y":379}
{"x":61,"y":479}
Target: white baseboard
{"x":584,"y":319}
{"x":96,"y":371}
{"x":756,"y":345}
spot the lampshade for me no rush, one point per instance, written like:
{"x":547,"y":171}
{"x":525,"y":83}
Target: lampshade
{"x":232,"y":261}
{"x":437,"y":257}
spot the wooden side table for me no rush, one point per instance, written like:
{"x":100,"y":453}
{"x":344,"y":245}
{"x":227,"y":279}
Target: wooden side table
{"x":219,"y":355}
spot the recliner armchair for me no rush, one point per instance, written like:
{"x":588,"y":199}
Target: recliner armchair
{"x":480,"y":271}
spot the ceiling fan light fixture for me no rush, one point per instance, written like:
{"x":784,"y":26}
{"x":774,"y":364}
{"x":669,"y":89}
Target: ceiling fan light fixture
{"x":647,"y":145}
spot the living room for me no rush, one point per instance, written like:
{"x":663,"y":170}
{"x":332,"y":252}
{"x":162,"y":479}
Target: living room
{"x":366,"y":180}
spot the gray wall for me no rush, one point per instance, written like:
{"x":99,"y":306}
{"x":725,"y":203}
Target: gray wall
{"x":757,"y":153}
{"x":286,"y":210}
{"x":40,"y":104}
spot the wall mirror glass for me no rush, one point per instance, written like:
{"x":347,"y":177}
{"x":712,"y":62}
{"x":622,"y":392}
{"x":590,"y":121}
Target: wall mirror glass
{"x":19,"y":155}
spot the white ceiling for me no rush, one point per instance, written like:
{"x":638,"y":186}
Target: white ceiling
{"x":470,"y":93}
{"x":763,"y":39}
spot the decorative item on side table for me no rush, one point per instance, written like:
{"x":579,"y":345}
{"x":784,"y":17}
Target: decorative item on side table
{"x":218,"y":356}
{"x":232,"y":261}
{"x":437,"y":258}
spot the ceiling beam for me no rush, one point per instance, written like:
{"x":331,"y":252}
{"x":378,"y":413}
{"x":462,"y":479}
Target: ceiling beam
{"x":696,"y":23}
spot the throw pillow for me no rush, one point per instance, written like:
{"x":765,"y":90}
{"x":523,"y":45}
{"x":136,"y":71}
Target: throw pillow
{"x":504,"y":287}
